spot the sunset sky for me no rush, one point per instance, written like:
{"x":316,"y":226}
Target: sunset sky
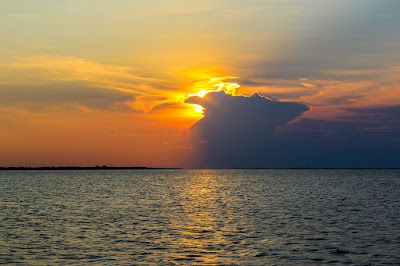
{"x":125,"y":82}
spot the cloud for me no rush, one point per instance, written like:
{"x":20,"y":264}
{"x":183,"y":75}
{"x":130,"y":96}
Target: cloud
{"x":37,"y":98}
{"x":44,"y":77}
{"x":236,"y":131}
{"x":257,"y":132}
{"x":45,"y":68}
{"x":383,"y":114}
{"x":341,"y":144}
{"x":332,"y":97}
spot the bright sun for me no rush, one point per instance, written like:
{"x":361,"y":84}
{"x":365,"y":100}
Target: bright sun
{"x":198,"y":108}
{"x":200,"y":94}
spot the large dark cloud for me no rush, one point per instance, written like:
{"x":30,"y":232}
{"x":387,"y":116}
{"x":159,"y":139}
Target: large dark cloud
{"x":254,"y":132}
{"x":237,"y":131}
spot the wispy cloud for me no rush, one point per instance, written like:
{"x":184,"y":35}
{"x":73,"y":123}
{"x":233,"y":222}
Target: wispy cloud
{"x":82,"y":74}
{"x":336,"y":91}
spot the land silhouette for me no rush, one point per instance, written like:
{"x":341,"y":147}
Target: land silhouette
{"x":104,"y":167}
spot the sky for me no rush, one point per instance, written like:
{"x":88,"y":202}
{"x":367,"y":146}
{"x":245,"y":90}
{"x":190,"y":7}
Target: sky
{"x":200,"y":84}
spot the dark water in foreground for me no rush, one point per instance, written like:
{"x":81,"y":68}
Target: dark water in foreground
{"x":224,"y":217}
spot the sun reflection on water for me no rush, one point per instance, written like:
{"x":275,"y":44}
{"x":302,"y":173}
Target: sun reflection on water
{"x":208,"y":228}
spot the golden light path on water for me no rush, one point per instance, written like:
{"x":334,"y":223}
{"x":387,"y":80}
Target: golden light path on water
{"x":209,"y":224}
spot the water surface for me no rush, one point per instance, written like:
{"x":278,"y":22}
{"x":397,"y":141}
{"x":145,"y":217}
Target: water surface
{"x":180,"y":217}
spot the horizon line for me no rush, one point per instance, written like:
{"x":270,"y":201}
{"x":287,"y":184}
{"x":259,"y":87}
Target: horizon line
{"x":104,"y":167}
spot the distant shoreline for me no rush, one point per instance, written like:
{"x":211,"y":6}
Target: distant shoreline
{"x":22,"y":168}
{"x":84,"y":168}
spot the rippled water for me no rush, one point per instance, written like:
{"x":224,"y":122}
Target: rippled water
{"x":224,"y":217}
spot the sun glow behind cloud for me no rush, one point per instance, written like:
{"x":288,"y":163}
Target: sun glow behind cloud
{"x":212,"y":85}
{"x":198,"y":108}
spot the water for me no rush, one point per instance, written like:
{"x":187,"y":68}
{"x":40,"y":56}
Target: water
{"x":223,"y":217}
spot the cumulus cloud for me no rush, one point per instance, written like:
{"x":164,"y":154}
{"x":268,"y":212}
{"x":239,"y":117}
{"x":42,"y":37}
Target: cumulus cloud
{"x":234,"y":109}
{"x":237,"y":131}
